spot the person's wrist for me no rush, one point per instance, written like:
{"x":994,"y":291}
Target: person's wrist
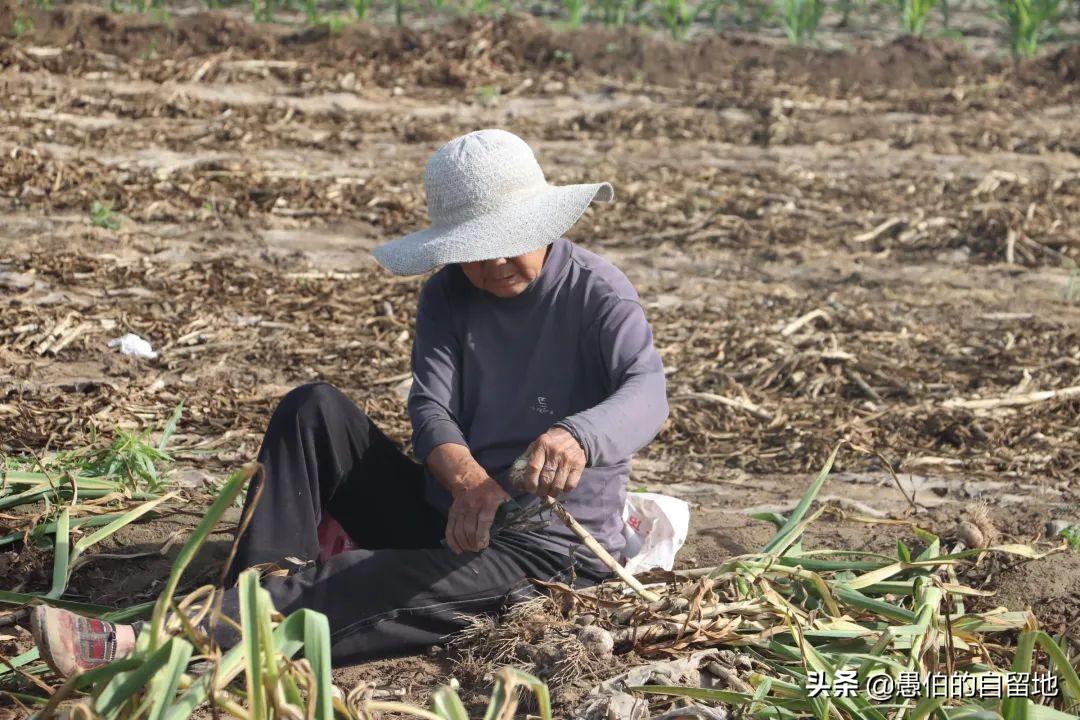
{"x":570,"y":431}
{"x":469,"y":479}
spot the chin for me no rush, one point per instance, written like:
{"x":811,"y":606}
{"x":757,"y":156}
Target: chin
{"x":508,"y":291}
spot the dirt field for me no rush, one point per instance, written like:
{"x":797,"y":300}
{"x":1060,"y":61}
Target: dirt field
{"x":850,"y":241}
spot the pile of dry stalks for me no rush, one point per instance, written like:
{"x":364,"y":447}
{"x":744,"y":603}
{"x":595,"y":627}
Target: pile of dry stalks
{"x":787,"y":612}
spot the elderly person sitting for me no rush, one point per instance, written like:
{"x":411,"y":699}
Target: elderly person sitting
{"x":524,"y":342}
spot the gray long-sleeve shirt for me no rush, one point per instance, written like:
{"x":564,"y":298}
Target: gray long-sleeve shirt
{"x":574,"y":350}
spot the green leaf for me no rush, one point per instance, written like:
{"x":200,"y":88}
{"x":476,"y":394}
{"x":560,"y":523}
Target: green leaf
{"x":317,"y":652}
{"x":229,"y":491}
{"x":50,"y":527}
{"x":1017,"y":708}
{"x":25,"y":497}
{"x":500,"y":698}
{"x":925,"y":535}
{"x":818,"y":565}
{"x":447,"y":703}
{"x":927,"y":617}
{"x":170,"y":427}
{"x":167,"y":680}
{"x":854,"y":706}
{"x":876,"y":576}
{"x":120,"y":522}
{"x":902,"y":551}
{"x":253,"y":659}
{"x":21,"y":660}
{"x":926,"y":707}
{"x":289,"y":639}
{"x":971,"y":712}
{"x":932,"y":551}
{"x":786,"y":535}
{"x":126,"y":685}
{"x":856,"y":599}
{"x":60,"y":556}
{"x":93,"y":678}
{"x":1044,"y":712}
{"x":775,"y":518}
{"x":26,"y":699}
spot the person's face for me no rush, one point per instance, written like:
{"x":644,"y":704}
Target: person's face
{"x":506,"y":277}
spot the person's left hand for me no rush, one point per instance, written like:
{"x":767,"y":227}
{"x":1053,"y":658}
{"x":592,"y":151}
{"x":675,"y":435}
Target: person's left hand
{"x":555,"y":464}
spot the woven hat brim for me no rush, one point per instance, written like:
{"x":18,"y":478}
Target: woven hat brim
{"x":523,"y":227}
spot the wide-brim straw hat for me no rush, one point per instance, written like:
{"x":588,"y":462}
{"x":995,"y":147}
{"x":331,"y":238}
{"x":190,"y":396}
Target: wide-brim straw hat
{"x":487,"y":198}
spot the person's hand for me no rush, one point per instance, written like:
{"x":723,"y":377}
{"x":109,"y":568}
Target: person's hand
{"x":555,"y":464}
{"x":468,"y":523}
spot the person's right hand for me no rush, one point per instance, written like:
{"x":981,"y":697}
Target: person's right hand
{"x":468,"y":523}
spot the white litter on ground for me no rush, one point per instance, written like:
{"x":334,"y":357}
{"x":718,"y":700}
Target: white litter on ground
{"x":655,"y":527}
{"x":132,"y":344}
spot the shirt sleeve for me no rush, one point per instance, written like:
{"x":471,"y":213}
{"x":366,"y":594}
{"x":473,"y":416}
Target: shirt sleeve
{"x":633,"y":413}
{"x":434,"y":399}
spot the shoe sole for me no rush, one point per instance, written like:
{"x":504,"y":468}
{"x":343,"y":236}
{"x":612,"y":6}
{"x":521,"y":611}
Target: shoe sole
{"x":40,"y":630}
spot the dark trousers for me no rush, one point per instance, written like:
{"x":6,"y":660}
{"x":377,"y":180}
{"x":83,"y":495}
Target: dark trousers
{"x":403,"y":591}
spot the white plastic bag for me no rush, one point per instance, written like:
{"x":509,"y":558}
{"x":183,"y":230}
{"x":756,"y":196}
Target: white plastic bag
{"x":132,"y":344}
{"x":655,"y":527}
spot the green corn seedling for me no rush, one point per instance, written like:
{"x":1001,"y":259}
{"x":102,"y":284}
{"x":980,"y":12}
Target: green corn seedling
{"x":487,"y":95}
{"x":264,"y":10}
{"x":1072,"y":536}
{"x":614,"y":12}
{"x":22,"y":26}
{"x":914,"y":13}
{"x":677,"y":16}
{"x":334,"y":23}
{"x":575,"y":10}
{"x":741,"y":11}
{"x":714,"y":11}
{"x":801,"y":18}
{"x":1029,"y":22}
{"x":102,"y":216}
